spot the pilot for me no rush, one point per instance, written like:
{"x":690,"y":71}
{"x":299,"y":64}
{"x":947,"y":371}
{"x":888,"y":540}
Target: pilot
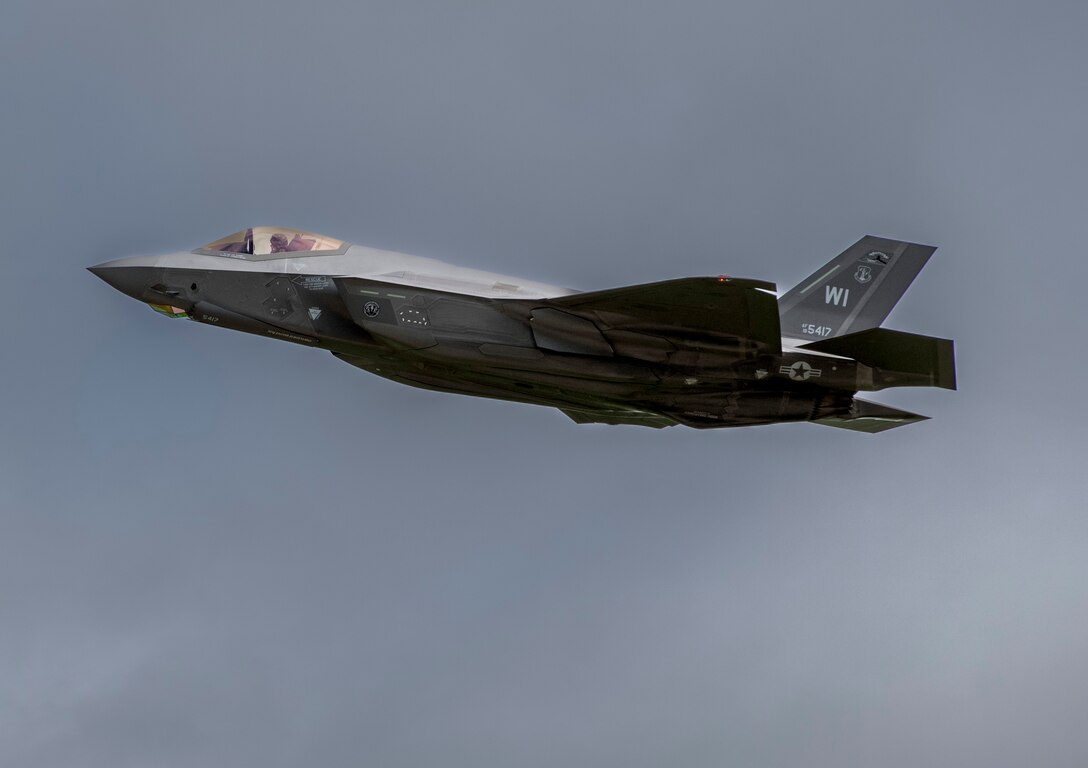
{"x":279,"y":243}
{"x":298,"y":243}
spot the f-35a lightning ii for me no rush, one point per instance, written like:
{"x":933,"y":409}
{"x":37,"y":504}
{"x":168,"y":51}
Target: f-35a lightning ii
{"x":700,"y":351}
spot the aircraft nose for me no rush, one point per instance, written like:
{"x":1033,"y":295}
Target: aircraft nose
{"x":130,"y":280}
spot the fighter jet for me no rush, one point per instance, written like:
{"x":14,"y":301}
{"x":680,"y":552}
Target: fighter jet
{"x":703,"y":352}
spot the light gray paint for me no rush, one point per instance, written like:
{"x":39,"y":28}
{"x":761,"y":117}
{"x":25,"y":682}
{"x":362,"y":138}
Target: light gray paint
{"x":216,"y":551}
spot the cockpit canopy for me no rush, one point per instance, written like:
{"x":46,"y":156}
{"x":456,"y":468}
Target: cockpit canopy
{"x":259,"y":243}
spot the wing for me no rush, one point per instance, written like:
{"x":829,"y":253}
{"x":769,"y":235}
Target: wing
{"x":715,"y":308}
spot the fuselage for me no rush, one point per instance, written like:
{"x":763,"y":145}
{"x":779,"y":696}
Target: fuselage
{"x":433,"y":325}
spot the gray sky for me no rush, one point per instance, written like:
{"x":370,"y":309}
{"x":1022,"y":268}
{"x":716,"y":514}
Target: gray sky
{"x":218,"y":550}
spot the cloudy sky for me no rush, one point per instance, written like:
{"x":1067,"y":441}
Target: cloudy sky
{"x":220,"y":550}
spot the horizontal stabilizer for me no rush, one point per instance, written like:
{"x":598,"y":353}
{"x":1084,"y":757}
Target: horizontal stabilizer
{"x":725,"y":306}
{"x":903,"y":359}
{"x":870,"y":417}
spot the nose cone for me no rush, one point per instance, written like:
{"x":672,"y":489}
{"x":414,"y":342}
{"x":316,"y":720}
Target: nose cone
{"x":129,"y":279}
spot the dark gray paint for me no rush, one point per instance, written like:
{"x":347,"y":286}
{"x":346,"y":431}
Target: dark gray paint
{"x":508,"y":588}
{"x":723,"y":364}
{"x":854,"y":291}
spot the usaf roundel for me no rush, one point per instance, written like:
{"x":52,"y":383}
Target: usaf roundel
{"x":800,"y":371}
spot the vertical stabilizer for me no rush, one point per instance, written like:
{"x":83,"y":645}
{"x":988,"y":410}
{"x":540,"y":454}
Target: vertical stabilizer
{"x":854,"y":291}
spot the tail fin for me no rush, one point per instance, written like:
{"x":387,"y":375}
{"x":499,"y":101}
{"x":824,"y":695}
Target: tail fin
{"x":854,"y":291}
